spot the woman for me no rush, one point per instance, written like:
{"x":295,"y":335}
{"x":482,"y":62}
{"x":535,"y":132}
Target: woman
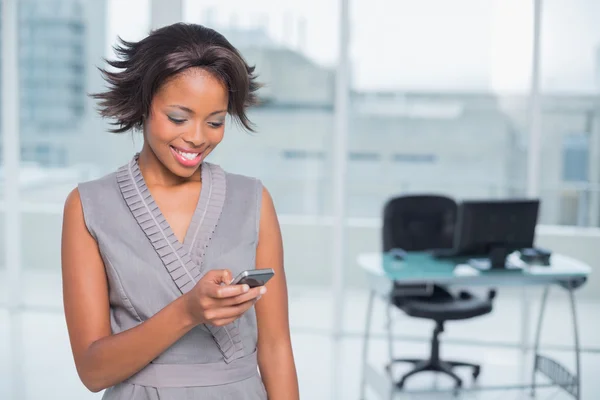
{"x":149,"y":251}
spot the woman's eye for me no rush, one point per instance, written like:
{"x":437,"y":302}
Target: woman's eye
{"x":176,"y":120}
{"x":215,"y":124}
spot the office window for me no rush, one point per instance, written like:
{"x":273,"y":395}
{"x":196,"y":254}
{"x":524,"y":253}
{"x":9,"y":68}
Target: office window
{"x":57,"y":126}
{"x":362,"y":168}
{"x":570,"y":92}
{"x":443,"y":99}
{"x":61,"y":157}
{"x":43,"y":155}
{"x":303,"y":155}
{"x":2,"y":185}
{"x":414,"y":158}
{"x":295,"y":118}
{"x":576,"y":148}
{"x":48,"y":67}
{"x":358,"y":156}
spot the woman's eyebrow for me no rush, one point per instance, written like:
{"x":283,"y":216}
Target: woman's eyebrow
{"x":188,"y":110}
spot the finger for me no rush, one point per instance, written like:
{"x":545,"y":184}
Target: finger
{"x":226,"y":277}
{"x":233,"y":311}
{"x":226,"y":291}
{"x":219,"y":276}
{"x":252,"y":294}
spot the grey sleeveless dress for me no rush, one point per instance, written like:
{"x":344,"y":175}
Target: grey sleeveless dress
{"x":147,"y":268}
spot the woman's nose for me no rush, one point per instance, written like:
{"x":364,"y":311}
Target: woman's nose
{"x":196,"y":137}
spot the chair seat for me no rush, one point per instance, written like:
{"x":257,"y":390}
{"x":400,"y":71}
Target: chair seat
{"x":444,"y":309}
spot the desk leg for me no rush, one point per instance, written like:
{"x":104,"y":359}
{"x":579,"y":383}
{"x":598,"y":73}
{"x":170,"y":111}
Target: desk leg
{"x":576,"y":340}
{"x":538,"y":333}
{"x":390,"y":335}
{"x":558,"y":374}
{"x":525,"y":318}
{"x":365,"y":352}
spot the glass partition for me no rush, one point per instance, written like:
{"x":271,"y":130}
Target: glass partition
{"x":570,"y":101}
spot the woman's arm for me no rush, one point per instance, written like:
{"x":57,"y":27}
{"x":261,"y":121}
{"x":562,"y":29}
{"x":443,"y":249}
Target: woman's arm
{"x":275,"y":357}
{"x":103,"y":359}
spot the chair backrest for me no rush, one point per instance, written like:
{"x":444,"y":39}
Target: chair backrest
{"x":419,"y":222}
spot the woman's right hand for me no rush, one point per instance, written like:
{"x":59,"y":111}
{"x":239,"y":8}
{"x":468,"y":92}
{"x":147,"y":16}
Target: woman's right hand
{"x":214,"y":301}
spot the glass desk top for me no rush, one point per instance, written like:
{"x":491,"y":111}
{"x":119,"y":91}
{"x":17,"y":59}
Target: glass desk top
{"x":422,"y":267}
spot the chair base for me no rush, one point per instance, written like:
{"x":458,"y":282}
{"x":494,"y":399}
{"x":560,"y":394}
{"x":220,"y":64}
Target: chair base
{"x":444,"y":367}
{"x":434,"y":363}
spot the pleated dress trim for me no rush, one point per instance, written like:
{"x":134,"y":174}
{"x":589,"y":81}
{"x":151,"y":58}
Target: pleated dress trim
{"x":184,"y":261}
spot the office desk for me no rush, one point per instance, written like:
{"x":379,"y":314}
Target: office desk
{"x":383,"y":270}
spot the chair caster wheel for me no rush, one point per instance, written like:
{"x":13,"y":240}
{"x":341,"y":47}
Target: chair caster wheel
{"x":476,"y":372}
{"x":456,"y":391}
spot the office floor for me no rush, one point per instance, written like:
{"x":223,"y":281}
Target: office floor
{"x":35,"y":357}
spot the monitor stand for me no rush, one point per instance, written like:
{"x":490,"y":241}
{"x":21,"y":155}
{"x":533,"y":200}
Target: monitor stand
{"x":495,"y":261}
{"x":498,"y":257}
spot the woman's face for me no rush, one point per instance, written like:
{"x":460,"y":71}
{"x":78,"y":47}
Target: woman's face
{"x":186,"y":120}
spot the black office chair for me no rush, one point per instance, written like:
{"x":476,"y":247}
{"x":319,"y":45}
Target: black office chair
{"x":421,"y":223}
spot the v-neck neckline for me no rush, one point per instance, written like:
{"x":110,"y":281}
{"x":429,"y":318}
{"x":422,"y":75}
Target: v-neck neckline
{"x":183,"y":261}
{"x":191,"y":233}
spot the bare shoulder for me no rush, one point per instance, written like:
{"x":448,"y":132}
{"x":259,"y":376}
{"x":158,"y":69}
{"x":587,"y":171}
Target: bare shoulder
{"x":267,"y":199}
{"x":73,"y":200}
{"x":75,"y":230}
{"x":73,"y":209}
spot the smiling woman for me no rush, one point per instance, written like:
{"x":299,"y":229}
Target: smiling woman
{"x":149,"y":251}
{"x":186,"y":120}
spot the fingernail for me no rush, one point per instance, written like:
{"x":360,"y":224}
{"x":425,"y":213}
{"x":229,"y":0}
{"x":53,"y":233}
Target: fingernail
{"x":245,"y":288}
{"x":263,"y":290}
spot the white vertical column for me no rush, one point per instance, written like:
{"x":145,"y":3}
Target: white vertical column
{"x":340,"y":155}
{"x":535,"y":148}
{"x":11,"y":154}
{"x":165,"y":12}
{"x":535,"y":117}
{"x":594,"y":171}
{"x":11,"y":149}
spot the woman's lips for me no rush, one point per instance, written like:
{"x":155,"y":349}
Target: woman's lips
{"x":185,"y":157}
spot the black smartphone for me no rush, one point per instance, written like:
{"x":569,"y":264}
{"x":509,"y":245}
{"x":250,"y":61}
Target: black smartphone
{"x":254,"y":277}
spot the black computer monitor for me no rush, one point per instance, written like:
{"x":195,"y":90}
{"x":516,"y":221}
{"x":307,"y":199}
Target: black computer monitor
{"x":495,"y":228}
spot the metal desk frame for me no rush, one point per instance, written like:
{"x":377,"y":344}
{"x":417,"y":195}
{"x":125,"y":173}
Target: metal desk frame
{"x":564,"y":272}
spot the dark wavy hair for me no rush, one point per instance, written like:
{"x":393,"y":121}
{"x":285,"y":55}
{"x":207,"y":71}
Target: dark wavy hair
{"x":146,"y":65}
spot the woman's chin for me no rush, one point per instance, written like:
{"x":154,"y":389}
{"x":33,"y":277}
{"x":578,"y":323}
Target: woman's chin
{"x":183,"y":172}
